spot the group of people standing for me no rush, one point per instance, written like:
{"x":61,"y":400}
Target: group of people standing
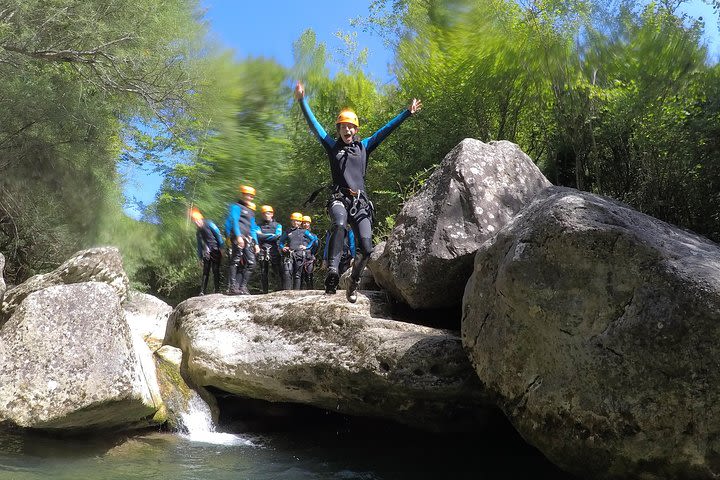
{"x":291,"y":253}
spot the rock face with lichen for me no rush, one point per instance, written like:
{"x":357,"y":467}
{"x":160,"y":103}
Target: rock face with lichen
{"x":597,"y":328}
{"x":101,"y":264}
{"x":320,"y":350}
{"x":69,"y":361}
{"x":477,"y":189}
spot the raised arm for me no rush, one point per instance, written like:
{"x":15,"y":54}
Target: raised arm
{"x":376,"y":138}
{"x":327,"y":141}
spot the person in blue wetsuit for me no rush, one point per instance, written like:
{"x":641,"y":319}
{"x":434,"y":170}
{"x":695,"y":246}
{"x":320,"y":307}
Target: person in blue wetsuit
{"x":311,"y":248}
{"x":209,"y":249}
{"x":268,"y":233}
{"x":349,"y":202}
{"x":293,"y":244}
{"x":241,"y":230}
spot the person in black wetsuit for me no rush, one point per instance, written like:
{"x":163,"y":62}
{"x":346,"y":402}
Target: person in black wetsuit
{"x":268,"y":233}
{"x":209,"y":249}
{"x":349,"y":202}
{"x":311,"y":248}
{"x":293,"y":243}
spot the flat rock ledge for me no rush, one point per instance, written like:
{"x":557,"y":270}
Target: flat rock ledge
{"x":319,"y":350}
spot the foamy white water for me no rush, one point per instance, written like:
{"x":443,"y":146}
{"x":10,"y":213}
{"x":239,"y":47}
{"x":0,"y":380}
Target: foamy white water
{"x":199,"y":427}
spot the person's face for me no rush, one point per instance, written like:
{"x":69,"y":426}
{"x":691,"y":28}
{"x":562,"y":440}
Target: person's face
{"x":249,"y":197}
{"x":346,"y":131}
{"x":268,"y":216}
{"x":295,"y":223}
{"x":198,"y":222}
{"x":306,"y":225}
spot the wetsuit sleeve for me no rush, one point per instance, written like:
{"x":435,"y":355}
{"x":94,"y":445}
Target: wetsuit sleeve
{"x":198,"y":237}
{"x":283,"y":239}
{"x":373,"y":141}
{"x":234,"y":219}
{"x":327,"y":141}
{"x":217,"y":234}
{"x":351,"y":241}
{"x":312,"y":238}
{"x":254,"y":229}
{"x":259,"y":233}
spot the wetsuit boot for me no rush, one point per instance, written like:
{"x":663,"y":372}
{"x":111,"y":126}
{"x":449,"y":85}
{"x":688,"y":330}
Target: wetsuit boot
{"x":233,"y":280}
{"x":351,"y":292}
{"x":331,"y":281}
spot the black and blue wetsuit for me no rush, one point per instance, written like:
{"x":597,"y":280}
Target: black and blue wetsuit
{"x":294,"y":239}
{"x":240,"y":222}
{"x":349,"y":202}
{"x":312,"y":245}
{"x":209,"y":250}
{"x":268,"y":234}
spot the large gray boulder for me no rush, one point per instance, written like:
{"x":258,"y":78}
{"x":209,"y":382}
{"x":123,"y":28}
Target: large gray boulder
{"x":475,"y":191}
{"x":70,"y":361}
{"x":597,"y":327}
{"x":101,"y":264}
{"x":314,"y":349}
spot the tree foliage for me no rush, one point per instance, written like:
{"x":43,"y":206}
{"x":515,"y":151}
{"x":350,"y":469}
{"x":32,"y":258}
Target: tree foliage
{"x":617,"y":98}
{"x":73,"y":76}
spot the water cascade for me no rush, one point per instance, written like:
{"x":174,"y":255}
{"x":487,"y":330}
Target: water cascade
{"x":197,"y":425}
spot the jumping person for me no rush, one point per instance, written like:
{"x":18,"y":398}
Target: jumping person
{"x":269,"y":232}
{"x":349,"y":202}
{"x":241,"y":229}
{"x":311,"y":248}
{"x":209,"y":249}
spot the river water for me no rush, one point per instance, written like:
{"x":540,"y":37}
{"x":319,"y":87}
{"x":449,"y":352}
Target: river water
{"x":339,"y":449}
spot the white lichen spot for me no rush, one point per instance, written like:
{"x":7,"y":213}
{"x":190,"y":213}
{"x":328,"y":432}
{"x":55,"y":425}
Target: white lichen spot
{"x":52,"y":385}
{"x":491,"y":228}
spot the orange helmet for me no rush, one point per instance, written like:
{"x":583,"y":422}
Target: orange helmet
{"x":266,"y":208}
{"x":307,"y":219}
{"x":196,"y":215}
{"x":347,"y":116}
{"x":247,"y":189}
{"x":252,"y":206}
{"x":297,"y":216}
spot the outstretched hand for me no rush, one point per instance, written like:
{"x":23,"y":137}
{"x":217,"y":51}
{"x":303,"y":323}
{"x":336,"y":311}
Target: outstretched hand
{"x":415,"y":106}
{"x":299,"y":91}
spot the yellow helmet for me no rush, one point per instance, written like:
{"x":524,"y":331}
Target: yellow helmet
{"x":266,"y":208}
{"x":296,"y":216}
{"x":252,"y":206}
{"x":307,"y":219}
{"x":347,"y":116}
{"x":196,"y":215}
{"x":247,"y":189}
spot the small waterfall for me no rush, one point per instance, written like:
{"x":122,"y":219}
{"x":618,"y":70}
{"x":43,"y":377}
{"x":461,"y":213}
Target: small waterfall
{"x":197,"y":425}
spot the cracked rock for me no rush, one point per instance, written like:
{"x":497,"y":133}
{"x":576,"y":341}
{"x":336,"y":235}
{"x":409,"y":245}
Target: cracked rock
{"x":597,"y":327}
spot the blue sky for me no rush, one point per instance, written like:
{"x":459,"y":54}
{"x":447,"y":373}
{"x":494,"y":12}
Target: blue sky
{"x":269,"y":28}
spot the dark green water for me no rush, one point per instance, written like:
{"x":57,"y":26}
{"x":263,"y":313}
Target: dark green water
{"x":339,"y":449}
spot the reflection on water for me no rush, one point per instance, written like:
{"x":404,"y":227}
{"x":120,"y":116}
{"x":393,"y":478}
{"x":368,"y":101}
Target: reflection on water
{"x":346,"y":449}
